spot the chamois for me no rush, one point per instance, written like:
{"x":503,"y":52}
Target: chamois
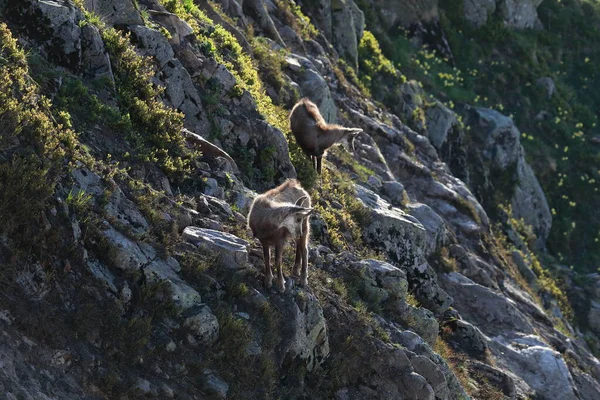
{"x":275,"y":216}
{"x":313,"y":134}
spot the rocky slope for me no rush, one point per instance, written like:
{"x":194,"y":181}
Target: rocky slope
{"x":134,"y":137}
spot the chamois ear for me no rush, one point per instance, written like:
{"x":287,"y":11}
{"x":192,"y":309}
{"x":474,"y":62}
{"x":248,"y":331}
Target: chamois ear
{"x":301,"y":211}
{"x":301,"y":200}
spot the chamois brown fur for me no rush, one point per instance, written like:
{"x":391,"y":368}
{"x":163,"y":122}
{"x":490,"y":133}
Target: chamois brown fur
{"x":277,"y":216}
{"x":313,"y":134}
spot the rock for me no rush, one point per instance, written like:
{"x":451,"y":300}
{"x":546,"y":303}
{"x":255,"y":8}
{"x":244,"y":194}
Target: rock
{"x":101,"y":273}
{"x":587,"y":387}
{"x":495,"y":377}
{"x":440,"y":120}
{"x":143,"y":386}
{"x":490,"y":311}
{"x":433,"y":223}
{"x":518,"y":14}
{"x":125,"y":212}
{"x":95,"y":62}
{"x":232,"y":250}
{"x":468,"y":338}
{"x":178,"y":28}
{"x":124,"y":253}
{"x":540,"y":367}
{"x":183,"y":295}
{"x":115,"y":12}
{"x":313,"y":86}
{"x":202,"y":323}
{"x":392,"y":230}
{"x":477,"y":11}
{"x":344,"y":30}
{"x":594,"y":317}
{"x":154,"y":43}
{"x":496,"y":137}
{"x":304,"y":335}
{"x":214,"y":385}
{"x":379,"y":275}
{"x":524,"y":269}
{"x":432,"y":374}
{"x":548,"y":85}
{"x":394,"y":190}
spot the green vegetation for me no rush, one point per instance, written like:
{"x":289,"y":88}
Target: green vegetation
{"x":32,"y":148}
{"x":343,"y":222}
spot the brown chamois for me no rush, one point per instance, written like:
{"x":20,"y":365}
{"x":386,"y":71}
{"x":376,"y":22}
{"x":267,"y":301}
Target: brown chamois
{"x":313,"y":134}
{"x":275,"y":216}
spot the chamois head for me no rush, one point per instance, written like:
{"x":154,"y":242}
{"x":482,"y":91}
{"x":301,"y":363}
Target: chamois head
{"x":295,"y":217}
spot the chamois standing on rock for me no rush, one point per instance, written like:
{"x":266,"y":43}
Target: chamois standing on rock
{"x":276,"y":216}
{"x":313,"y":134}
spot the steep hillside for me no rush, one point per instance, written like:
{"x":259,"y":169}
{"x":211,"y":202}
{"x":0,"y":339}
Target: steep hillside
{"x":135,"y":135}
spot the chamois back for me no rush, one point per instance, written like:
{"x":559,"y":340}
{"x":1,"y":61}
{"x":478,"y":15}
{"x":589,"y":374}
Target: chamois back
{"x":272,"y":210}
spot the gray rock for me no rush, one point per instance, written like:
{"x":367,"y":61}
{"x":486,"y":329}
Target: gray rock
{"x":548,"y":85}
{"x":125,"y":212}
{"x":477,"y":11}
{"x":524,"y":269}
{"x":392,"y":230}
{"x":304,"y":335}
{"x":594,"y":317}
{"x":344,"y":30}
{"x":231,"y":249}
{"x":497,"y":138}
{"x":124,"y":253}
{"x":115,"y":12}
{"x":381,"y":277}
{"x":313,"y":86}
{"x":178,"y":28}
{"x":153,"y":43}
{"x":440,"y":120}
{"x":202,"y":323}
{"x":432,"y":374}
{"x":469,"y":338}
{"x":490,"y":311}
{"x":101,"y":273}
{"x":433,"y":223}
{"x":540,"y":367}
{"x":183,"y":295}
{"x":394,"y":190}
{"x":95,"y":62}
{"x":214,"y":385}
{"x":588,"y":388}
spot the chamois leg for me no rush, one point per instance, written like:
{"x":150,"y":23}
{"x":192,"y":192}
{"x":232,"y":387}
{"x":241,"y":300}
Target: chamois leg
{"x":278,"y":256}
{"x":268,"y":272}
{"x":303,"y":245}
{"x":298,"y":261}
{"x":313,"y":162}
{"x":319,"y":164}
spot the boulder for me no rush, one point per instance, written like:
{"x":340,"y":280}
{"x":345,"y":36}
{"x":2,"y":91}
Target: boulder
{"x":433,"y":223}
{"x":344,"y":30}
{"x":312,"y":85}
{"x":304,"y":335}
{"x":497,"y":139}
{"x":477,"y":11}
{"x":540,"y":367}
{"x":231,"y":249}
{"x":594,"y":317}
{"x":440,"y":120}
{"x":380,"y":280}
{"x":182,"y":294}
{"x":124,"y":253}
{"x":202,"y":323}
{"x":491,"y":311}
{"x":115,"y":12}
{"x":95,"y":62}
{"x":432,"y":374}
{"x":390,"y":229}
